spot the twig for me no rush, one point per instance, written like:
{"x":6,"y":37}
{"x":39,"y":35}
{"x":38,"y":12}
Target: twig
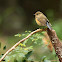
{"x":54,"y":40}
{"x":56,"y":43}
{"x":12,"y":48}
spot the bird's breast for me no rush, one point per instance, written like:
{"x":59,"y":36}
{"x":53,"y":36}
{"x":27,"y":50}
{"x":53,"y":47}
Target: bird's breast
{"x":38,"y":22}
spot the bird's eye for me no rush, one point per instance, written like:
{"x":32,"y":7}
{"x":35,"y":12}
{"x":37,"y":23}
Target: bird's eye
{"x":37,"y":14}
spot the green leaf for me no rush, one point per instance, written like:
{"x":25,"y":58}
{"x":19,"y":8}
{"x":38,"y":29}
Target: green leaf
{"x":28,"y":54}
{"x":1,"y":55}
{"x":4,"y":47}
{"x":47,"y":61}
{"x":15,"y":60}
{"x":26,"y":31}
{"x":43,"y":58}
{"x":21,"y":55}
{"x":19,"y":35}
{"x":24,"y":60}
{"x":3,"y":60}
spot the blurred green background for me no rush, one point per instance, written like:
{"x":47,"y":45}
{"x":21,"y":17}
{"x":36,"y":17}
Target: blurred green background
{"x":16,"y":16}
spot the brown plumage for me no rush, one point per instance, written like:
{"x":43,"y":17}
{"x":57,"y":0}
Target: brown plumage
{"x":42,"y":20}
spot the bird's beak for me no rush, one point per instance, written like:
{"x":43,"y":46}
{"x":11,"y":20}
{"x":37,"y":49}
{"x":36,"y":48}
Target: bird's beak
{"x":33,"y":14}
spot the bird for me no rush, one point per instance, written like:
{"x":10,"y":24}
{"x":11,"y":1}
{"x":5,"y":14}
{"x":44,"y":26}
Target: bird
{"x":42,"y":20}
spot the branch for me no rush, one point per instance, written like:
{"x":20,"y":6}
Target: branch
{"x":56,"y":43}
{"x":54,"y":40}
{"x":12,"y":48}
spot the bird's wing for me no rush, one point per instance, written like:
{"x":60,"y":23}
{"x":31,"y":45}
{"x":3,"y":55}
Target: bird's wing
{"x":42,"y":21}
{"x":49,"y":22}
{"x":49,"y":25}
{"x":45,"y":22}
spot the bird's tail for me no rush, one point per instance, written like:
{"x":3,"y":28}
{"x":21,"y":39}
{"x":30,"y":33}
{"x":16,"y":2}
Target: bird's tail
{"x":49,"y":25}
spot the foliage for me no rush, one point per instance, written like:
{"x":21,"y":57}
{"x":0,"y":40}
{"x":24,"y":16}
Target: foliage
{"x":17,"y":17}
{"x":28,"y":49}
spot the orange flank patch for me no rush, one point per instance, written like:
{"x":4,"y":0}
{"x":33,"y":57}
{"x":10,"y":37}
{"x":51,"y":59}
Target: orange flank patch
{"x":38,"y":22}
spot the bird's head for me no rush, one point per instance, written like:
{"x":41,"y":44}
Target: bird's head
{"x":37,"y":13}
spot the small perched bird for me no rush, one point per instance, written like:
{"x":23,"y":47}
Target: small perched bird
{"x":42,"y":20}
